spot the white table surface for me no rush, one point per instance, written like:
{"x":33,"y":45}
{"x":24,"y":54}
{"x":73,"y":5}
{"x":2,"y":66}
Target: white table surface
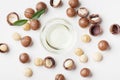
{"x":108,"y":69}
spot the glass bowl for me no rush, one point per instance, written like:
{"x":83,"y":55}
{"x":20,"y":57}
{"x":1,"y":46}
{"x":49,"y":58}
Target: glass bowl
{"x":57,"y":36}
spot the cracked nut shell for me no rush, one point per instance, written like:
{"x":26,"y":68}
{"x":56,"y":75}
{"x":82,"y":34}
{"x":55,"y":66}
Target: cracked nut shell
{"x":85,"y":72}
{"x":24,"y":58}
{"x":26,"y":41}
{"x":94,"y":19}
{"x":4,"y":48}
{"x":29,"y":13}
{"x":56,"y":3}
{"x":71,"y":12}
{"x":59,"y":77}
{"x":49,"y":62}
{"x":40,"y":6}
{"x":73,"y":3}
{"x":82,"y":12}
{"x":35,"y":24}
{"x":12,"y":17}
{"x":95,"y":30}
{"x":115,"y":29}
{"x":103,"y":45}
{"x":69,"y":64}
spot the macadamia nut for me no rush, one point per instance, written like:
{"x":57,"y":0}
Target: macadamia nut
{"x":49,"y":62}
{"x":85,"y":72}
{"x":26,"y":41}
{"x":16,"y":36}
{"x":4,"y":48}
{"x":35,"y":24}
{"x":79,"y":52}
{"x":40,"y":6}
{"x":83,"y":12}
{"x":83,"y":58}
{"x":12,"y":17}
{"x":26,"y":27}
{"x":85,"y":38}
{"x":59,"y":77}
{"x":69,"y":64}
{"x":24,"y":58}
{"x":71,"y":12}
{"x":38,"y":62}
{"x":103,"y":45}
{"x":29,"y":13}
{"x":83,"y":22}
{"x":73,"y":3}
{"x":55,"y":3}
{"x":97,"y":56}
{"x":28,"y":72}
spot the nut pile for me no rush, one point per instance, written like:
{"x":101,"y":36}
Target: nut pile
{"x":92,"y":21}
{"x":32,"y":16}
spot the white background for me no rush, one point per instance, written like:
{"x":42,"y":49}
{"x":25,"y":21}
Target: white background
{"x":108,"y":69}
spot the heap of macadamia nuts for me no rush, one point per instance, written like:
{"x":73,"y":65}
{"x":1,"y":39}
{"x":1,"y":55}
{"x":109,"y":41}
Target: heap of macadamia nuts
{"x":31,"y":23}
{"x":85,"y":19}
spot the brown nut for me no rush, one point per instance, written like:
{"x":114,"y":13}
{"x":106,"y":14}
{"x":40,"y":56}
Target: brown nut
{"x":49,"y":62}
{"x":59,"y":77}
{"x":82,"y":12}
{"x":85,"y":72}
{"x":73,"y":3}
{"x":12,"y":17}
{"x":26,"y":41}
{"x":103,"y":45}
{"x":40,"y":6}
{"x":4,"y":48}
{"x":29,"y":13}
{"x":95,"y":30}
{"x":69,"y":64}
{"x":94,"y":19}
{"x":71,"y":12}
{"x":35,"y":24}
{"x":83,"y":22}
{"x":24,"y":58}
{"x":55,"y":3}
{"x":115,"y":29}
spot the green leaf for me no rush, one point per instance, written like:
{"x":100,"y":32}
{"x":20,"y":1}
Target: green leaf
{"x":20,"y":22}
{"x":38,"y":14}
